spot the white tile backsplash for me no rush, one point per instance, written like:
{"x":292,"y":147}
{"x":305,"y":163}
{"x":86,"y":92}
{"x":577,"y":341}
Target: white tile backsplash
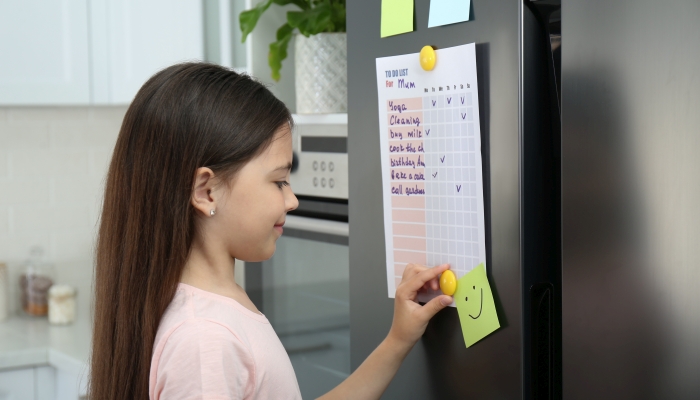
{"x":34,"y":190}
{"x":79,"y":189}
{"x":98,"y":161}
{"x":53,"y":162}
{"x":29,"y":163}
{"x":30,"y":134}
{"x":48,"y":114}
{"x":72,"y":244}
{"x":4,"y":163}
{"x":27,"y":219}
{"x":4,"y":221}
{"x":84,"y":134}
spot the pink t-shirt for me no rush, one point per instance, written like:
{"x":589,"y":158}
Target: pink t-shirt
{"x":211,"y":347}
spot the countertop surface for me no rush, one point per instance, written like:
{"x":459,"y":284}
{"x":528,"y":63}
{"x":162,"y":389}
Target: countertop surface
{"x":27,"y":342}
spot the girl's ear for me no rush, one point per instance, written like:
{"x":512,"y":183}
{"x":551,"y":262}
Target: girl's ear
{"x":204,"y":185}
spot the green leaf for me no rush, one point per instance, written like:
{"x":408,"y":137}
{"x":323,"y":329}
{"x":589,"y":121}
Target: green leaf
{"x":303,"y":4}
{"x":315,"y":16}
{"x":311,"y":21}
{"x":338,"y":16}
{"x":249,"y":18}
{"x":278,"y":50}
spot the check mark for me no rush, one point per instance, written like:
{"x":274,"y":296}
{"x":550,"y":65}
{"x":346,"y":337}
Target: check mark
{"x":433,"y":103}
{"x":464,"y":116}
{"x":442,"y":159}
{"x":459,"y":187}
{"x":427,"y":132}
{"x":462,"y":98}
{"x":449,"y":100}
{"x":435,"y":175}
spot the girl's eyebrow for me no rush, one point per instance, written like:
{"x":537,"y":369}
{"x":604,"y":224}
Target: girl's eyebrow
{"x":287,"y":167}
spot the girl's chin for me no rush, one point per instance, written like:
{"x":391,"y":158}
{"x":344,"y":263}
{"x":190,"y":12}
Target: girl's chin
{"x":263,"y":255}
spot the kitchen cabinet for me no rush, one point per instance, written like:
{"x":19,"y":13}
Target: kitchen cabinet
{"x":44,"y":52}
{"x":73,"y":52}
{"x":28,"y":384}
{"x":132,"y":40}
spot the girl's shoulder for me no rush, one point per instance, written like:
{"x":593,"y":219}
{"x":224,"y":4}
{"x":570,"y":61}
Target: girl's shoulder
{"x":191,"y":302}
{"x":193,"y":311}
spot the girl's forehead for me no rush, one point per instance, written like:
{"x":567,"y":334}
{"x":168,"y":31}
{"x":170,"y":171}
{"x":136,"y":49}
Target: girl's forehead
{"x":280,"y":147}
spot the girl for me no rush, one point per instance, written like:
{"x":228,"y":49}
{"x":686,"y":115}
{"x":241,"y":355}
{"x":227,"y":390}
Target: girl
{"x":199,"y":178}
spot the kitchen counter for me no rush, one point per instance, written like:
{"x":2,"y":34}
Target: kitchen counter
{"x":28,"y":342}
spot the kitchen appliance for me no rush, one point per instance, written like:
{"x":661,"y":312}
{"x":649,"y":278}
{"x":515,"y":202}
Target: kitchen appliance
{"x":320,"y":146}
{"x":590,"y":189}
{"x":303,"y":289}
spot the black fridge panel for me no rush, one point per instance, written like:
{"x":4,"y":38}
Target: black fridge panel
{"x":630,"y":199}
{"x":440,"y":366}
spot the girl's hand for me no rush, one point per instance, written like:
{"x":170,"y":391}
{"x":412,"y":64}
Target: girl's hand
{"x":372,"y":377}
{"x":410,"y":318}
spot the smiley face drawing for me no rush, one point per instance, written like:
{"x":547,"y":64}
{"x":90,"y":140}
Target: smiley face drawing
{"x":481,"y":302}
{"x":475,"y":305}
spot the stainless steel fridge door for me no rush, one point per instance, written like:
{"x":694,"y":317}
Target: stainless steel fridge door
{"x":439,"y":366}
{"x":631,"y":199}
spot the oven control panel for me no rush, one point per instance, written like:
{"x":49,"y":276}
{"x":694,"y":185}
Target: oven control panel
{"x":322,"y":161}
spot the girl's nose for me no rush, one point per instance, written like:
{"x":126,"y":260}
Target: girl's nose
{"x":292,"y":201}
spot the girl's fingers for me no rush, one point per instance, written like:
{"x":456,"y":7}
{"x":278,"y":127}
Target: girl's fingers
{"x":416,"y":282}
{"x":433,"y":306}
{"x":411,"y":270}
{"x":433,"y":283}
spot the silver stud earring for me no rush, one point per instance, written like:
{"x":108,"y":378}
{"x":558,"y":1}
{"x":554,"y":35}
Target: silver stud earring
{"x":212,"y":212}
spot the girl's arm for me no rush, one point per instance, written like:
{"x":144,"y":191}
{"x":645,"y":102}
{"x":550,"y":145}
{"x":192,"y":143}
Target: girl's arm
{"x":410,"y":320}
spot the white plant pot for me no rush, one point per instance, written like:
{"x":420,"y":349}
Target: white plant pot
{"x":321,"y":66}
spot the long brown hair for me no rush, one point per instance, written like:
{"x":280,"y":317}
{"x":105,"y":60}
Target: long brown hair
{"x":185,"y":117}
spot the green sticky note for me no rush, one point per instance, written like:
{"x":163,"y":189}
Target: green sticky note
{"x":397,"y":17}
{"x":475,"y":306}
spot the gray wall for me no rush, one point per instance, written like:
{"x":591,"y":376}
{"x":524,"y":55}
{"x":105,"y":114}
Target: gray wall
{"x":631,"y":199}
{"x":439,"y":366}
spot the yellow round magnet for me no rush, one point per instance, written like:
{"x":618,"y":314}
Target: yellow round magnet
{"x":427,"y":58}
{"x":448,"y":283}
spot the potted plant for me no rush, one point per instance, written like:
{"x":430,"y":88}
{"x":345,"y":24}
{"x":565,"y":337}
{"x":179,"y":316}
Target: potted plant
{"x":320,"y":51}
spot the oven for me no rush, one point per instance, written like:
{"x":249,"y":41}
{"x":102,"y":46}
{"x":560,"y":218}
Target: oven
{"x":304,"y":288}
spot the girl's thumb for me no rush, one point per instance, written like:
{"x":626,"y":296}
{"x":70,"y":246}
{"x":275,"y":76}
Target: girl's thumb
{"x":433,"y":306}
{"x":446,"y":300}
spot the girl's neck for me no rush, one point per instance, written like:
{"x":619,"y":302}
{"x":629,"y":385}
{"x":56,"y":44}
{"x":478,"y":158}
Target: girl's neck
{"x":213,"y":271}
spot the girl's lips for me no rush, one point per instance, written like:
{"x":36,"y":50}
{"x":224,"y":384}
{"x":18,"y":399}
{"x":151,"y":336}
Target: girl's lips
{"x":279,"y":229}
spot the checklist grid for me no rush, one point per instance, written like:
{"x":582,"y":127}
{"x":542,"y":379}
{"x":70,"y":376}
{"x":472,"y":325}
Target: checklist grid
{"x":451,"y":206}
{"x":435,"y":187}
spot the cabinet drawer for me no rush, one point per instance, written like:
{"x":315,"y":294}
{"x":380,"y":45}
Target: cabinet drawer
{"x":17,"y":384}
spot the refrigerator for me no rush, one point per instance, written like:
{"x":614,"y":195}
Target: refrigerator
{"x":590,"y":120}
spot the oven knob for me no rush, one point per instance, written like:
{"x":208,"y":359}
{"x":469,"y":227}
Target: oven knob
{"x":315,"y":181}
{"x":315,"y":165}
{"x":331,"y":166}
{"x":331,"y":183}
{"x":323,"y":165}
{"x":323,"y":182}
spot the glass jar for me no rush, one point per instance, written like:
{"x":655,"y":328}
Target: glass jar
{"x":61,"y":305}
{"x":35,"y":281}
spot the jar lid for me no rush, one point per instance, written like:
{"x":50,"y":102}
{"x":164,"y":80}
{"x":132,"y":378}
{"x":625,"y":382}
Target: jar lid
{"x":61,"y":291}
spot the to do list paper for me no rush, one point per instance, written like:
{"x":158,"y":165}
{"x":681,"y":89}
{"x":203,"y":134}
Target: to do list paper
{"x":431,"y":163}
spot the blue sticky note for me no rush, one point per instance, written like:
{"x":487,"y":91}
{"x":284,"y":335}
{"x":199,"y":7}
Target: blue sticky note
{"x":445,"y":12}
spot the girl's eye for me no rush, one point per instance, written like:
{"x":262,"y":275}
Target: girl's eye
{"x":281,"y":184}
